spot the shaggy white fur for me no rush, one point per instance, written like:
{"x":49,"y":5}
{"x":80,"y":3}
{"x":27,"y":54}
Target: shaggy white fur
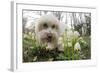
{"x":47,"y":31}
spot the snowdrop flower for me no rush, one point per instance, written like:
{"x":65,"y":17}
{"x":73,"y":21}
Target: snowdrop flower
{"x":33,"y":36}
{"x":30,"y":33}
{"x":76,"y":34}
{"x":60,"y":40}
{"x":82,"y":40}
{"x":69,"y":44}
{"x":77,"y":46}
{"x":72,"y":35}
{"x":69,"y":35}
{"x":25,"y":36}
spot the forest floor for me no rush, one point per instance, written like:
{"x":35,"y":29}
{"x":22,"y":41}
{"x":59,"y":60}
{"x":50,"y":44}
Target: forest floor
{"x":32,"y":52}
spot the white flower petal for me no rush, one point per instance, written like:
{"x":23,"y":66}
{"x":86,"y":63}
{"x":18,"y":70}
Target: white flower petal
{"x":77,"y":46}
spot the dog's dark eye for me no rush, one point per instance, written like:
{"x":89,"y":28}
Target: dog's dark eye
{"x":53,"y":26}
{"x":45,"y":25}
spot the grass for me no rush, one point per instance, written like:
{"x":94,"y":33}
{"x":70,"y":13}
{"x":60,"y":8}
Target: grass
{"x":34,"y":52}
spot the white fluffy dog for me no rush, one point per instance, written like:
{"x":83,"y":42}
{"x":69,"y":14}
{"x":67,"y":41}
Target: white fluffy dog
{"x":47,"y":31}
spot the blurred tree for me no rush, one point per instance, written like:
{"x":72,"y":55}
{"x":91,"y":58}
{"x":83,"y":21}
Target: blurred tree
{"x":57,"y":14}
{"x":24,"y":21}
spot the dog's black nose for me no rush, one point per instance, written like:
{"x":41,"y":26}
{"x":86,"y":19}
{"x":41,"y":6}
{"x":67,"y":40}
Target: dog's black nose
{"x":49,"y":36}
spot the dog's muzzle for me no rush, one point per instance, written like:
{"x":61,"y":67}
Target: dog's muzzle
{"x":49,"y":37}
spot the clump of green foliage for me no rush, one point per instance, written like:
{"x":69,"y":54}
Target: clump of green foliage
{"x":34,"y":52}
